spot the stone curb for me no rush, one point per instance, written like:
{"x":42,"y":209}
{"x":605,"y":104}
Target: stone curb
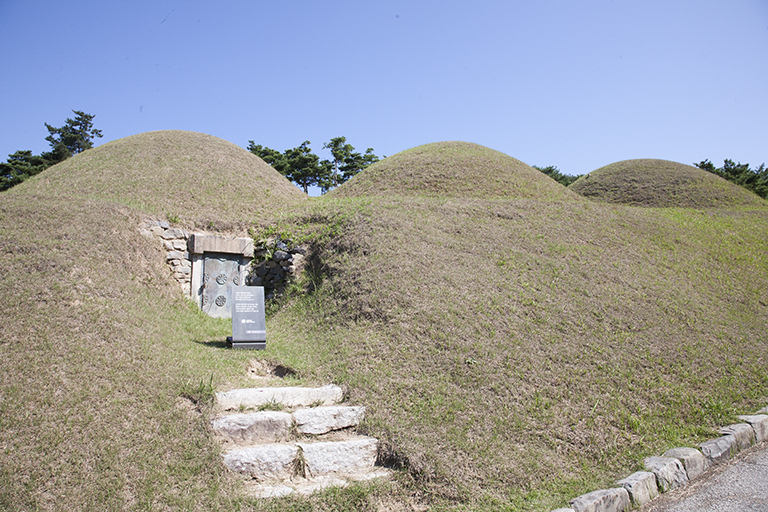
{"x":675,"y":469}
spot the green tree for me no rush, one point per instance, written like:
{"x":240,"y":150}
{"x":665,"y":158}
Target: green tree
{"x":74,"y":137}
{"x":755,"y":180}
{"x":346,"y":162}
{"x":20,"y":166}
{"x":303,"y":166}
{"x":554,"y":173}
{"x":305,"y":169}
{"x":707,"y":166}
{"x":271,"y":156}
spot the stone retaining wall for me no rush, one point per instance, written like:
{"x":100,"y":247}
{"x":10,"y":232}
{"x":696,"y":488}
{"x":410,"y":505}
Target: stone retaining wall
{"x":276,"y":263}
{"x":174,"y":241}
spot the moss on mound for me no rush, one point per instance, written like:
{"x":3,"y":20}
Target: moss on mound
{"x":453,"y":169}
{"x":661,"y":183}
{"x":189,"y":175}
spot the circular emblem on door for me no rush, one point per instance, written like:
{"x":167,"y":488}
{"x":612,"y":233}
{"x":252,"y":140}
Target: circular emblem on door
{"x":221,"y":300}
{"x":221,"y":278}
{"x":206,"y":278}
{"x":236,"y":280}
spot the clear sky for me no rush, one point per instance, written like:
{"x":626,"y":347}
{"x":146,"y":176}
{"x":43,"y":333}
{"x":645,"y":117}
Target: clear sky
{"x":576,"y":84}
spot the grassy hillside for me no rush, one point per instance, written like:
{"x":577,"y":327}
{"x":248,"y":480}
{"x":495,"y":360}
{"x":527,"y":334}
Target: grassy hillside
{"x":452,"y":169}
{"x":661,"y":183}
{"x":193,"y":177}
{"x":517,"y":353}
{"x":512,"y":352}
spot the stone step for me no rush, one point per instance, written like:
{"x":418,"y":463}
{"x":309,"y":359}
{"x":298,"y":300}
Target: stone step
{"x":279,"y":461}
{"x":256,"y":427}
{"x":301,"y":486}
{"x":290,"y":397}
{"x":321,"y":420}
{"x":272,"y":426}
{"x":341,"y":457}
{"x":263,"y":461}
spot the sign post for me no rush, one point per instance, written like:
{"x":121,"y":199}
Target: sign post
{"x":249,"y":325}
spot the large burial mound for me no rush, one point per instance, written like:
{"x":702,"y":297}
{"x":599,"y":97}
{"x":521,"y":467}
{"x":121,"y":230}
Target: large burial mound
{"x":661,"y":183}
{"x":189,"y":175}
{"x":453,"y":169}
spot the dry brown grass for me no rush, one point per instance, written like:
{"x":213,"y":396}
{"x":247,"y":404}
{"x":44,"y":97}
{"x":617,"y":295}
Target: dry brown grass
{"x":661,"y":184}
{"x":195,"y":178}
{"x":518,"y":352}
{"x":453,"y":169}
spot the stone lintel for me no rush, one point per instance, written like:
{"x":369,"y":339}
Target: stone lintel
{"x":199,"y":244}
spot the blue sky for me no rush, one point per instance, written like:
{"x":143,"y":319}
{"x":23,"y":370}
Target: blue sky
{"x":574,"y":84}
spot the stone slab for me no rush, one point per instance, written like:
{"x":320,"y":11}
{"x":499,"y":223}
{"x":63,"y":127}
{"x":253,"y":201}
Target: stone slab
{"x":342,"y":457}
{"x":719,"y":450}
{"x":266,"y":461}
{"x":759,"y":423}
{"x":692,"y":459}
{"x":641,"y":486}
{"x":257,"y":427}
{"x":604,"y":500}
{"x":670,"y":473}
{"x":200,"y":243}
{"x":321,"y":420}
{"x":288,"y":397}
{"x":744,"y":433}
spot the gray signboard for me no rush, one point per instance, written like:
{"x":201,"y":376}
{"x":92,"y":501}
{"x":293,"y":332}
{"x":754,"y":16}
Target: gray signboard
{"x":249,"y":326}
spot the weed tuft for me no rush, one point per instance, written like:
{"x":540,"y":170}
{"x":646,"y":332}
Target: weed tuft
{"x":272,"y":405}
{"x":299,"y":466}
{"x":200,"y":392}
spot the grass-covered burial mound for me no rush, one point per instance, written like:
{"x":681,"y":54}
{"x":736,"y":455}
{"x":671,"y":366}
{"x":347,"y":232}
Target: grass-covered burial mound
{"x":453,"y":169}
{"x":662,"y":183}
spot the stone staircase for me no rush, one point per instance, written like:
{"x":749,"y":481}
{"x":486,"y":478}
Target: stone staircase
{"x":294,"y":439}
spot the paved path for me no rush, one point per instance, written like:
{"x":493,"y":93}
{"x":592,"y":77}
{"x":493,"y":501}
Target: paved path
{"x":740,"y":485}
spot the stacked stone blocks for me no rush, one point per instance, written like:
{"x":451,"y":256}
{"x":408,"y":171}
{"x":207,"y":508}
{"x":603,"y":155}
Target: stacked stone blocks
{"x":309,"y":446}
{"x":276,"y":263}
{"x":174,"y":241}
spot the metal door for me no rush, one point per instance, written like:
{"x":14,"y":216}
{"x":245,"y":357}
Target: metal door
{"x":221,"y":272}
